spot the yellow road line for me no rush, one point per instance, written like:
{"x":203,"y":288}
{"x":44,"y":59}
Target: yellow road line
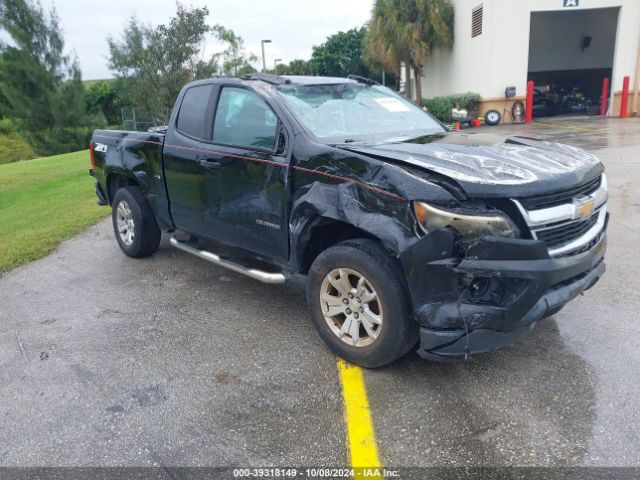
{"x":360,"y":435}
{"x":558,"y":125}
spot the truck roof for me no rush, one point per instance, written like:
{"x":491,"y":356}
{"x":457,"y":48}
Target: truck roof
{"x":309,"y":80}
{"x":305,"y":80}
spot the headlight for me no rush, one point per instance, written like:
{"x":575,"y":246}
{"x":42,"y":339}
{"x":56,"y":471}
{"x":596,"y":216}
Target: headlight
{"x":469,"y":226}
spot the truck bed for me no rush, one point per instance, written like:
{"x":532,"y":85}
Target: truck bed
{"x":121,"y":155}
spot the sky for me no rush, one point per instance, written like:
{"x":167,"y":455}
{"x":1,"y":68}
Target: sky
{"x":294,"y":26}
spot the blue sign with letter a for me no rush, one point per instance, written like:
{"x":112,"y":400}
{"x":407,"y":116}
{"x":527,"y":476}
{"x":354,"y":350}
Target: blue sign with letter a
{"x":571,"y":3}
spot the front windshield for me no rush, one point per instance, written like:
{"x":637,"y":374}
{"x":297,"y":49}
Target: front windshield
{"x":349,"y":112}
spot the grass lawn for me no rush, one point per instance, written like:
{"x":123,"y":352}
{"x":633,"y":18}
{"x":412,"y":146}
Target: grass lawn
{"x":42,"y":203}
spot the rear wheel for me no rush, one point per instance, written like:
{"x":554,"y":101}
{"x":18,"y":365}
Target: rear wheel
{"x":359,"y":303}
{"x":134,"y":224}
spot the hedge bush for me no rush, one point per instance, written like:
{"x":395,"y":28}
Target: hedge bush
{"x":7,"y":126}
{"x":440,"y":107}
{"x":13,"y":149}
{"x":60,"y":140}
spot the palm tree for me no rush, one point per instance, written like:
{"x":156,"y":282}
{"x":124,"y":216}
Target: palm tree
{"x":298,"y":67}
{"x":408,"y":31}
{"x":382,"y":49}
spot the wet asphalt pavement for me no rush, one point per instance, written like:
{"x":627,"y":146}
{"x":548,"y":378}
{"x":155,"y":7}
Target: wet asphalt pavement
{"x":109,"y":361}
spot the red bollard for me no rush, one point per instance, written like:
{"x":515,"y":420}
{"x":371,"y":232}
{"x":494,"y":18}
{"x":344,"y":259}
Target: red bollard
{"x":625,"y":97}
{"x":528,"y":111}
{"x":604,"y":99}
{"x":457,"y":126}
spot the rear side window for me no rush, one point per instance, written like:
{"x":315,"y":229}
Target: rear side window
{"x":245,"y":119}
{"x":193,"y":111}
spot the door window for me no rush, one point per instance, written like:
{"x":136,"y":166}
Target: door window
{"x":193,"y":111}
{"x":245,"y":119}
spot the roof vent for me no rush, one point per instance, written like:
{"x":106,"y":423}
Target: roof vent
{"x":476,"y":21}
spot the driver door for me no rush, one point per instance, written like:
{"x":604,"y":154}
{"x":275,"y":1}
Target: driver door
{"x":246,"y":183}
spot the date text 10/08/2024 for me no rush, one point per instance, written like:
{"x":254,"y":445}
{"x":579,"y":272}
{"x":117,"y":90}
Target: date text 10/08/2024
{"x":315,"y":473}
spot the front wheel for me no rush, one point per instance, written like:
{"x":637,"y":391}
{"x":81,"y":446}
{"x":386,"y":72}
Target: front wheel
{"x":134,"y":224}
{"x":358,"y":300}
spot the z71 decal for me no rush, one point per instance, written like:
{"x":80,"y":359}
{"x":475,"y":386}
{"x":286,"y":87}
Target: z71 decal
{"x":100,"y":147}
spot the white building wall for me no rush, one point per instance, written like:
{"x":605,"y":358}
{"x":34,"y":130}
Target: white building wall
{"x":500,"y":56}
{"x":464,"y":67}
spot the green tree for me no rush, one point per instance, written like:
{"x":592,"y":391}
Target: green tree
{"x":295,"y":67}
{"x":235,"y":61}
{"x":281,"y":69}
{"x":408,"y":31}
{"x":154,"y":63}
{"x":40,"y":87}
{"x":102,"y":99}
{"x":340,"y":55}
{"x":381,"y":48}
{"x":298,"y":67}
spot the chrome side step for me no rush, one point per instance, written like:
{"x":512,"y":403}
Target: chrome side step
{"x":264,"y":277}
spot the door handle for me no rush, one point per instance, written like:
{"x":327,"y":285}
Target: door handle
{"x":208,"y":164}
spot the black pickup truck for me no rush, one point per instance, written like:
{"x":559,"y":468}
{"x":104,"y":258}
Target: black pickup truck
{"x":408,"y":233}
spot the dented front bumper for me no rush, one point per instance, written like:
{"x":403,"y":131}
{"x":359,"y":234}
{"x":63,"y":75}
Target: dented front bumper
{"x":493,"y":296}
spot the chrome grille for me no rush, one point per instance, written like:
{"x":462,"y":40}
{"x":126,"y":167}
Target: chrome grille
{"x":567,"y":228}
{"x":558,"y":198}
{"x":562,"y":233}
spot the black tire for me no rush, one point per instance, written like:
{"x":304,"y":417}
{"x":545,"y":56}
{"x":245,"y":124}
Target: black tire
{"x":518,"y":105}
{"x":398,"y":332}
{"x":146,"y":236}
{"x":492,"y":117}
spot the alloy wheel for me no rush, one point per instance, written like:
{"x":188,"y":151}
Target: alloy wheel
{"x":351,"y":307}
{"x":124,"y":222}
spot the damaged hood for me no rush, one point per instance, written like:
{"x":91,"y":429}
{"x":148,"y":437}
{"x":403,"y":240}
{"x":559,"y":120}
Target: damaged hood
{"x":479,"y":163}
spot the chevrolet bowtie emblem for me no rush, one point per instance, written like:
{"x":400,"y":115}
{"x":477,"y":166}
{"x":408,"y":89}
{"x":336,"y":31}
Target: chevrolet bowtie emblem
{"x":584,"y":206}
